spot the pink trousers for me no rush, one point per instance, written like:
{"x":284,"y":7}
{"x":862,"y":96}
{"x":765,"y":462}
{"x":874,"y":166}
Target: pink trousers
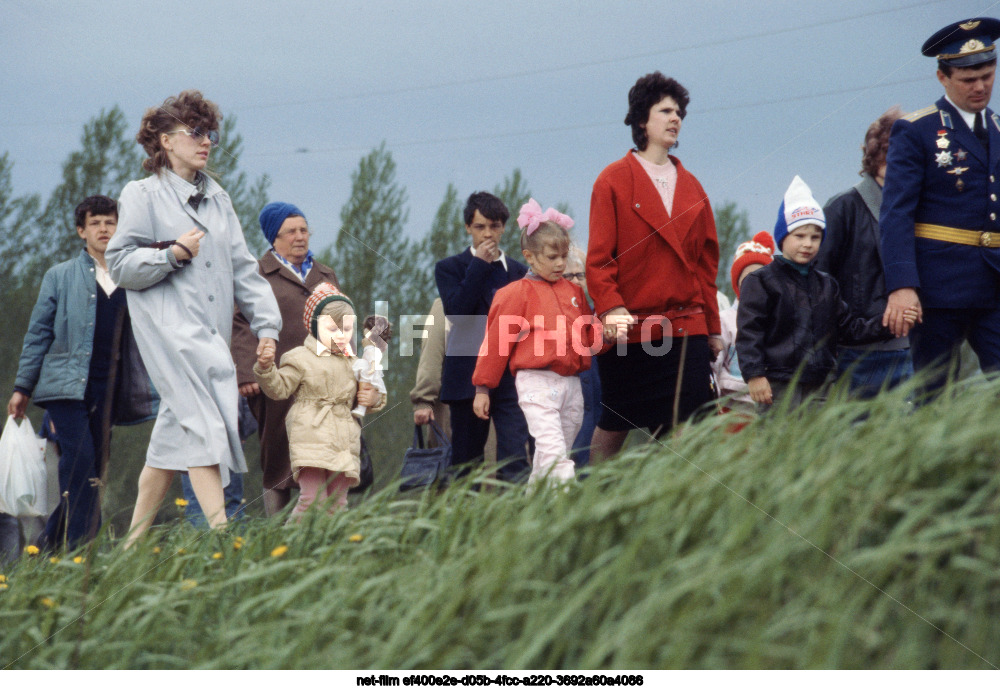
{"x":553,"y":407}
{"x":321,"y":485}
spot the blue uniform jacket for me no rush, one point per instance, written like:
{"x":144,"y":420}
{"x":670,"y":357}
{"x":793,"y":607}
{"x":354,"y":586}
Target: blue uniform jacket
{"x":467,"y":286}
{"x":938,"y":173}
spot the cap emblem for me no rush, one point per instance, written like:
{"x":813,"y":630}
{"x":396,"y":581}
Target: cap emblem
{"x":969,"y":26}
{"x":971,"y":46}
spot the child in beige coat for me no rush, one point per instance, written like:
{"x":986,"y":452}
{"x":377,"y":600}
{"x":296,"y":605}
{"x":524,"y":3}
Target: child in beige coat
{"x":324,"y":438}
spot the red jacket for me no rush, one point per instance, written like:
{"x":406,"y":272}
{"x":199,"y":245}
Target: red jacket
{"x":642,"y":258}
{"x":535,"y":324}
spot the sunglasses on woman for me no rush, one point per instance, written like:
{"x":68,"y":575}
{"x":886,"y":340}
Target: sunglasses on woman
{"x":198,"y":134}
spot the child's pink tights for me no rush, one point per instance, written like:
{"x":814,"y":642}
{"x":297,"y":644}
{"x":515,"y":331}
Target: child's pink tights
{"x":316,"y":484}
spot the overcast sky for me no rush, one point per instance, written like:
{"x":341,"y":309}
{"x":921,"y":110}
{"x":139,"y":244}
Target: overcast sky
{"x":464,"y":92}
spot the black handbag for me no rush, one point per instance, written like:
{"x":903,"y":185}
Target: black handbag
{"x":424,"y":466}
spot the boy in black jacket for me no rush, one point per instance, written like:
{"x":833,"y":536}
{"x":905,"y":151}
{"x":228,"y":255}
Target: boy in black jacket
{"x":791,"y":315}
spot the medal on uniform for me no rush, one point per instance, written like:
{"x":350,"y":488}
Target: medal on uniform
{"x":960,"y":155}
{"x":943,"y":158}
{"x":957,"y":170}
{"x":942,"y":142}
{"x":959,"y":185}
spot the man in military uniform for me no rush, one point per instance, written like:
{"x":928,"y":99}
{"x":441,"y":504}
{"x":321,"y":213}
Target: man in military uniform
{"x":940,"y":215}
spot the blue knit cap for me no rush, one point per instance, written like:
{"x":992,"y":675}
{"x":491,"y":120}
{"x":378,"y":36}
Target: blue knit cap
{"x":273,"y":215}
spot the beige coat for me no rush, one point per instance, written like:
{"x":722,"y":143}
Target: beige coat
{"x":322,"y":433}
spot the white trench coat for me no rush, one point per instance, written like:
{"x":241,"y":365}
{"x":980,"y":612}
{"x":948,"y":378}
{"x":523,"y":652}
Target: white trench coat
{"x":182,"y":316}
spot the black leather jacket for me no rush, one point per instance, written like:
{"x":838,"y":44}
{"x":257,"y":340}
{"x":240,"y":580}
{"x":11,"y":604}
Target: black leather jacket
{"x":851,"y":253}
{"x":787,"y":320}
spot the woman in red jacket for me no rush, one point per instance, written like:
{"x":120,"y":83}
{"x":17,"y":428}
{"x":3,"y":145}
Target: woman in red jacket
{"x":651,"y":264}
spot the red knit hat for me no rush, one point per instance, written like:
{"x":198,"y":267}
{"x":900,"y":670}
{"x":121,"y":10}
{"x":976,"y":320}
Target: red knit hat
{"x":759,"y":250}
{"x":322,"y":295}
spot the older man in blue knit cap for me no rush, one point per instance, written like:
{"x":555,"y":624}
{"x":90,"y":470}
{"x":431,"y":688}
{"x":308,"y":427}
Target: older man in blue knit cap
{"x":292,"y":271}
{"x":940,"y":214}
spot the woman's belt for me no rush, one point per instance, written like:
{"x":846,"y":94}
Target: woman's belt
{"x":973,"y":238}
{"x":670,"y":315}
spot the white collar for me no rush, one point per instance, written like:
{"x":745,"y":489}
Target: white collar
{"x":970,"y":118}
{"x":502,"y":259}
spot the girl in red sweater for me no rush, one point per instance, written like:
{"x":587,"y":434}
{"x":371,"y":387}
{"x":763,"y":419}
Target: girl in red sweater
{"x":543,"y":328}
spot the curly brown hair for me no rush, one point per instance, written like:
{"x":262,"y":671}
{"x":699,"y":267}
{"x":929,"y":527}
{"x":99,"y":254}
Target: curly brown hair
{"x":187,"y":109}
{"x":876,"y":144}
{"x":644,"y":94}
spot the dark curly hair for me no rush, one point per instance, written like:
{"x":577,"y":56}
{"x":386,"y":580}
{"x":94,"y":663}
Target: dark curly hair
{"x":488,"y":204}
{"x":876,"y":144}
{"x":187,"y":109}
{"x":97,"y":205}
{"x":647,"y":92}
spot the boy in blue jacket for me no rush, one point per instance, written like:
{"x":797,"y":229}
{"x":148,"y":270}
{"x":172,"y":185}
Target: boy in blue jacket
{"x":69,"y":362}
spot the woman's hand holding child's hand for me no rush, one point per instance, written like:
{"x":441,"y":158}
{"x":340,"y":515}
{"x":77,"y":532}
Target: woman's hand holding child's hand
{"x":616,"y":323}
{"x":265,"y":352}
{"x":481,"y":405}
{"x":760,"y":390}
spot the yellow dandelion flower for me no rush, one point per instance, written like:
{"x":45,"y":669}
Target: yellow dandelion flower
{"x":180,"y":502}
{"x":3,"y":585}
{"x":46,"y":602}
{"x":156,"y":549}
{"x":279,"y":551}
{"x":31,"y":550}
{"x":181,"y":552}
{"x":78,"y":559}
{"x":188,"y":584}
{"x":238,"y":543}
{"x":355,"y":538}
{"x":217,"y":555}
{"x":53,"y":559}
{"x":3,"y":578}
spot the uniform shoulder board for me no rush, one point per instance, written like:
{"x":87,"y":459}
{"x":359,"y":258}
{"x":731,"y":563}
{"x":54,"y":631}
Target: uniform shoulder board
{"x":923,"y":112}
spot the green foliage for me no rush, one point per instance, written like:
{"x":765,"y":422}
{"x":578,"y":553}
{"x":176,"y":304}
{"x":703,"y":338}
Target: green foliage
{"x":371,"y":252}
{"x":857,"y":535}
{"x":108,"y":159}
{"x":514,"y":193}
{"x":17,"y":217}
{"x":248,"y":197}
{"x":733,"y":228}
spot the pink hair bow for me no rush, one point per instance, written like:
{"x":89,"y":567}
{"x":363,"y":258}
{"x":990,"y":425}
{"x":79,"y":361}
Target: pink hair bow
{"x":531,"y":216}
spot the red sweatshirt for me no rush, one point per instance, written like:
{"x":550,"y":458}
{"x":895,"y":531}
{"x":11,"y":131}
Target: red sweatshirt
{"x":535,"y":324}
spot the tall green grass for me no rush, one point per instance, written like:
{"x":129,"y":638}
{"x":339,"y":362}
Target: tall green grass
{"x":858,"y":535}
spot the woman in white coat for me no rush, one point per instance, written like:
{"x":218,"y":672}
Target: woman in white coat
{"x":180,"y":252}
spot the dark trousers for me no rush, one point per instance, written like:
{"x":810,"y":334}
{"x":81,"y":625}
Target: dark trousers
{"x":78,"y":428}
{"x":469,"y":432}
{"x":935,"y":343}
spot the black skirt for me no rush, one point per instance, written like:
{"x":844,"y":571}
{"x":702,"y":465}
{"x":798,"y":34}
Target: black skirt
{"x":638,"y":388}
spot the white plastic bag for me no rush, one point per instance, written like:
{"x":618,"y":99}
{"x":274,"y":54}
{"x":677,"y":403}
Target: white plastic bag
{"x":22,"y":471}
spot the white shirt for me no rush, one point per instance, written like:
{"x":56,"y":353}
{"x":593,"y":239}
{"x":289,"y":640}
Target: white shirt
{"x":104,"y":279}
{"x":970,"y":118}
{"x":502,"y":259}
